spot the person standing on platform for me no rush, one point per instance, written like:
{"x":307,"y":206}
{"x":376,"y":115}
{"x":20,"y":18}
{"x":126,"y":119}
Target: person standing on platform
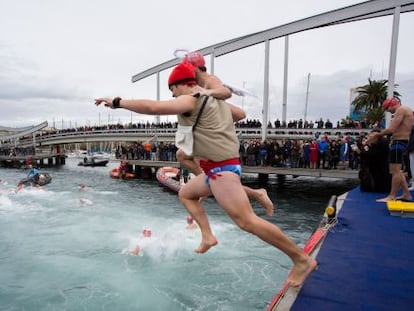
{"x":399,"y":129}
{"x":216,"y":149}
{"x":374,"y":174}
{"x":313,"y":157}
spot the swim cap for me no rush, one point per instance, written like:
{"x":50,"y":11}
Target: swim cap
{"x":41,"y":176}
{"x":146,"y":232}
{"x":390,"y":102}
{"x":190,"y":219}
{"x":182,"y":74}
{"x":195,"y":58}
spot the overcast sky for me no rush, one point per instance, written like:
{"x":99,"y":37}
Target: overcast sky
{"x":57,"y":56}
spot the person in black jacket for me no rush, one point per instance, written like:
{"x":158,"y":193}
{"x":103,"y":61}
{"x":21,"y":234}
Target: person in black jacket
{"x":374,"y":172}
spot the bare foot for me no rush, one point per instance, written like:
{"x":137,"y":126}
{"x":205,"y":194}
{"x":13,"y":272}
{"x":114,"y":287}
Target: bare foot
{"x":403,"y":198}
{"x":265,"y":201}
{"x":206,"y":245}
{"x":384,"y":200}
{"x":300,"y":271}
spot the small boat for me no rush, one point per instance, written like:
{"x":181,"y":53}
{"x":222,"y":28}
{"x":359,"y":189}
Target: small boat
{"x":115,"y":173}
{"x":172,"y":178}
{"x":169,"y":177}
{"x":43,"y":179}
{"x":93,"y":161}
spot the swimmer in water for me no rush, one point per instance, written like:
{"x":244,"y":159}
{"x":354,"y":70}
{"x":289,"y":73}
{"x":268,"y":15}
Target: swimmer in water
{"x":191,"y":225}
{"x":83,"y":187}
{"x":146,"y":232}
{"x":86,"y":201}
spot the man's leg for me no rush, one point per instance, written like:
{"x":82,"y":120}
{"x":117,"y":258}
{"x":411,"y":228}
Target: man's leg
{"x":406,"y":195}
{"x":227,"y":190}
{"x":398,"y":180}
{"x":260,"y":195}
{"x":189,"y":196}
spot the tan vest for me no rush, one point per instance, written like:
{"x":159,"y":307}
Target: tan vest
{"x":215,"y":135}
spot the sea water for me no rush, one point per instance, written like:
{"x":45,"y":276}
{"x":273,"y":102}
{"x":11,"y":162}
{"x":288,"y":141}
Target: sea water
{"x":64,"y":247}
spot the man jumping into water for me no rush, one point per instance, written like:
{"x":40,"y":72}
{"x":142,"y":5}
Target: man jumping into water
{"x":216,"y":149}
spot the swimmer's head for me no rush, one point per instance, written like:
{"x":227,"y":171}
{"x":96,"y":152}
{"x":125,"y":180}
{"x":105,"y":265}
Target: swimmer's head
{"x":390,"y":103}
{"x":195,"y":58}
{"x":41,"y":176}
{"x":190,"y":219}
{"x":146,"y":232}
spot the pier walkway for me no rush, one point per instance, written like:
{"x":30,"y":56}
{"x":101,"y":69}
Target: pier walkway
{"x":366,"y":261}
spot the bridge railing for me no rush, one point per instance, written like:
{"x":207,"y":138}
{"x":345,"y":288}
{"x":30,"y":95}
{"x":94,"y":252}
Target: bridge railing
{"x":21,"y":132}
{"x":168,"y":134}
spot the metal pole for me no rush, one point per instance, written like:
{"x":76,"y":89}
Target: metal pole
{"x":157,"y":118}
{"x":244,"y":83}
{"x":393,"y":59}
{"x":212,"y":62}
{"x":307,"y":98}
{"x":285,"y":80}
{"x":265,"y":91}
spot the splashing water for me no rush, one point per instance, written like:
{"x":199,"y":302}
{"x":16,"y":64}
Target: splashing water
{"x":59,"y":253}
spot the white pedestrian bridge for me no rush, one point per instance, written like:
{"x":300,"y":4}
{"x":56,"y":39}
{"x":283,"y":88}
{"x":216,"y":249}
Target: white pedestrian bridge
{"x":168,"y":135}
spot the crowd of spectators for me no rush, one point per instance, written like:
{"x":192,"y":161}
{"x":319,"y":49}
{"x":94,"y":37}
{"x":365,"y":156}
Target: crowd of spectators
{"x":248,"y":123}
{"x":321,"y":153}
{"x":300,"y":124}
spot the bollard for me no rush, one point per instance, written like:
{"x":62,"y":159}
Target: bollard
{"x":330,"y":210}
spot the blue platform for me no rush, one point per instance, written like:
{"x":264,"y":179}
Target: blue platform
{"x":365,"y":263}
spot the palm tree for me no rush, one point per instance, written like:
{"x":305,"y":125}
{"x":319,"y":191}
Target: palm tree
{"x":370,"y":98}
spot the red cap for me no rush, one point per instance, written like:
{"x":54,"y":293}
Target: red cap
{"x":182,"y":74}
{"x":390,"y":102}
{"x":146,"y":232}
{"x":195,"y":58}
{"x":190,"y":219}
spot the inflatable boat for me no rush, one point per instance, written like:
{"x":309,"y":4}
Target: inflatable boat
{"x":169,"y":177}
{"x":116,"y":174}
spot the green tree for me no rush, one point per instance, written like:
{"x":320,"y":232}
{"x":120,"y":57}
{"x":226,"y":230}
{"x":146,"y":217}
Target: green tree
{"x":370,"y":98}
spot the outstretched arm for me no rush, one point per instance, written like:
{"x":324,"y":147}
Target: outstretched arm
{"x":177,"y":105}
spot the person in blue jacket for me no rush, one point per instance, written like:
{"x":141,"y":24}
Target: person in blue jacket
{"x":34,"y":172}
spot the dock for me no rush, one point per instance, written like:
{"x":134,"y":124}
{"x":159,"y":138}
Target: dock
{"x":365,"y":262}
{"x":262,"y":171}
{"x":39,"y":160}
